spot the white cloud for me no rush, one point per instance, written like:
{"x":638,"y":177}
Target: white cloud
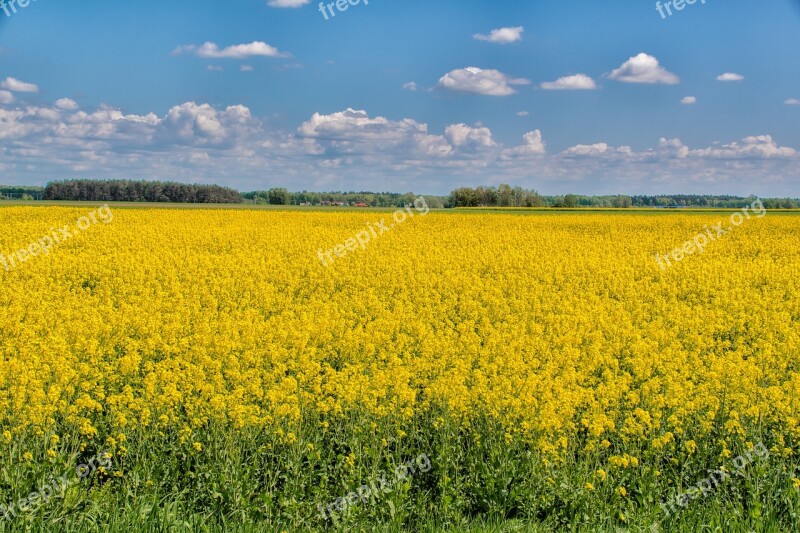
{"x":672,"y":148}
{"x":792,"y":101}
{"x":461,"y":135}
{"x":355,"y":132}
{"x":287,"y":3}
{"x":66,"y":104}
{"x":214,"y":68}
{"x":689,"y":100}
{"x":523,"y":114}
{"x":353,"y":124}
{"x":759,"y":146}
{"x":479,"y":81}
{"x":246,"y":68}
{"x":502,"y":35}
{"x":17,"y":86}
{"x":587,"y":150}
{"x":211,"y":50}
{"x":730,"y":76}
{"x":410,"y":86}
{"x":203,"y":125}
{"x":644,"y":68}
{"x":6,"y":97}
{"x":576,"y":82}
{"x":351,"y":149}
{"x":533,"y":145}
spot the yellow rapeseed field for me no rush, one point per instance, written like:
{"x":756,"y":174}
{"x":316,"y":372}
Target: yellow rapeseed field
{"x":559,"y":330}
{"x":554,"y":325}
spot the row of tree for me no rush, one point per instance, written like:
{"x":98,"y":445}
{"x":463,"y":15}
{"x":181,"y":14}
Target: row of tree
{"x":281,"y":196}
{"x":12,"y":192}
{"x":725,"y":202}
{"x":501,"y":196}
{"x":506,"y":196}
{"x":140,"y":191}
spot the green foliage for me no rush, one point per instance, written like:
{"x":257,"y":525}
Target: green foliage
{"x":21,"y":193}
{"x":502,"y":196}
{"x":281,"y":196}
{"x":278,"y":196}
{"x":140,"y":191}
{"x":479,"y":480}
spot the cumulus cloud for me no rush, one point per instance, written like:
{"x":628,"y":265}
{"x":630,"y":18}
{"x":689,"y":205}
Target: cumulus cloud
{"x":759,"y":146}
{"x":353,"y":149}
{"x":475,"y":80}
{"x":576,"y":82}
{"x":644,"y":68}
{"x":66,"y":104}
{"x":672,"y":148}
{"x":689,"y":100}
{"x":17,"y":86}
{"x":204,"y":125}
{"x":353,"y":124}
{"x":598,"y":149}
{"x":730,"y":76}
{"x":6,"y":97}
{"x":502,"y":35}
{"x":211,"y":50}
{"x":532,"y":145}
{"x":461,"y":135}
{"x":355,"y":132}
{"x":410,"y":86}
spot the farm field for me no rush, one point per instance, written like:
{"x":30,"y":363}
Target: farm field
{"x":229,"y":370}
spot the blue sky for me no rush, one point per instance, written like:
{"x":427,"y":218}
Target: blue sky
{"x":406,"y":95}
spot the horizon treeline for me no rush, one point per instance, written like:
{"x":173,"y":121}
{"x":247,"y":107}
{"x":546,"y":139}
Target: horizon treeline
{"x":20,"y":192}
{"x":500,"y":196}
{"x":281,"y":196}
{"x":506,"y":196}
{"x":140,"y":191}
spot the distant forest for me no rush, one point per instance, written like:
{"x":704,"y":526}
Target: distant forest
{"x":507,"y":196}
{"x":500,"y":196}
{"x":10,"y":192}
{"x":140,"y":191}
{"x":281,"y":196}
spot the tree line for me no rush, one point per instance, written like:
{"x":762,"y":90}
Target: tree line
{"x":506,"y":196}
{"x":501,"y":196}
{"x":140,"y":191}
{"x":282,"y":196}
{"x":12,"y":192}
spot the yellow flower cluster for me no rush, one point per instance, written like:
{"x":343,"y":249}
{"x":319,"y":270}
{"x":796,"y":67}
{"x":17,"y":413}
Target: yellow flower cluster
{"x":559,"y":327}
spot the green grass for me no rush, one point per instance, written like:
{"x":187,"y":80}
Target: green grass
{"x":250,"y":481}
